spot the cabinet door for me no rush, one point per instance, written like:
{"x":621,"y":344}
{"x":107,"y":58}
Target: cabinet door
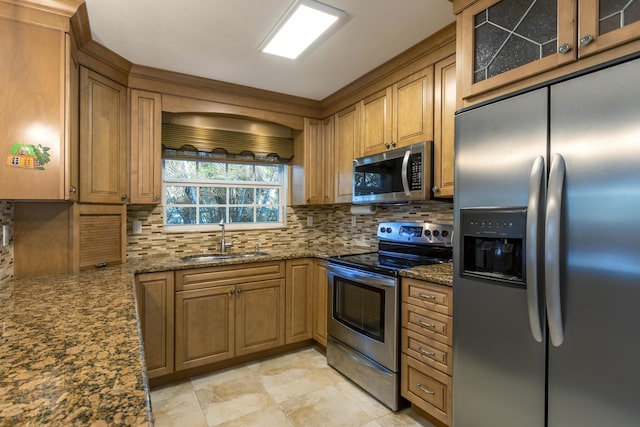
{"x":604,"y":24}
{"x":346,"y":143}
{"x":204,"y":326}
{"x":376,"y":123}
{"x":500,"y":41}
{"x":320,"y":307}
{"x":260,"y":316}
{"x":298,"y":292}
{"x":103,"y":157}
{"x":32,"y":123}
{"x":444,"y":127}
{"x":155,"y":294}
{"x":313,"y":155}
{"x":413,"y":108}
{"x":145,"y":178}
{"x":327,"y":176}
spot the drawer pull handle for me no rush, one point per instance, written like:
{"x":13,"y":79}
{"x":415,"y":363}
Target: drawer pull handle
{"x":426,"y":325}
{"x":425,"y":352}
{"x":425,"y":296}
{"x":426,"y":390}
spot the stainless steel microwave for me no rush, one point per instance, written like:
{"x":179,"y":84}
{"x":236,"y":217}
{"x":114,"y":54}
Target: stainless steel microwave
{"x":394,"y":176}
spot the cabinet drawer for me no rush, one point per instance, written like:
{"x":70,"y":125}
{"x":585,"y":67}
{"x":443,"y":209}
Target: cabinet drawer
{"x":428,"y":351}
{"x":427,"y":323}
{"x":199,"y":278}
{"x":427,"y":388}
{"x":428,"y":295}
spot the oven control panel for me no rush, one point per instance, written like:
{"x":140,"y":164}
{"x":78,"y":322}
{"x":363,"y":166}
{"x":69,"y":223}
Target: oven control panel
{"x":422,"y":233}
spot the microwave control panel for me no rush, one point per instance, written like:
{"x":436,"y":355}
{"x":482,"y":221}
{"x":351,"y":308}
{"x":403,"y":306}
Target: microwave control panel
{"x":415,"y":171}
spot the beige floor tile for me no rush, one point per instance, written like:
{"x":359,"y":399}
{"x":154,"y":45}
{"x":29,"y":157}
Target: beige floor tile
{"x":363,"y":399}
{"x":404,"y":418}
{"x":177,"y":406}
{"x":268,"y":417}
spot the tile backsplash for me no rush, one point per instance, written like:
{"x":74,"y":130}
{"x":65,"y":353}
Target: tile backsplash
{"x":331,"y":224}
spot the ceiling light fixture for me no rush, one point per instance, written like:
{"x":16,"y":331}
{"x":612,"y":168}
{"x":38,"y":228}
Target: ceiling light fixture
{"x":304,"y":24}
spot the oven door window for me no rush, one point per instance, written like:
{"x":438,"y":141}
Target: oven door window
{"x":359,"y":307}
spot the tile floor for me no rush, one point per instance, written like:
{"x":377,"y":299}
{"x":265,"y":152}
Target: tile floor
{"x":296,"y":389}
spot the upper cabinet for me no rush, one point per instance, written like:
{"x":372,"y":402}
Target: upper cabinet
{"x":145,"y":177}
{"x":444,"y":101}
{"x":501,"y":41}
{"x":103,"y":144}
{"x":36,"y":132}
{"x":346,"y":144}
{"x":399,"y":115}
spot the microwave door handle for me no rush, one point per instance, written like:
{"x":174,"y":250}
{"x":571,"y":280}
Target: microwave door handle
{"x":552,"y":250}
{"x":532,"y":241}
{"x":405,"y":173}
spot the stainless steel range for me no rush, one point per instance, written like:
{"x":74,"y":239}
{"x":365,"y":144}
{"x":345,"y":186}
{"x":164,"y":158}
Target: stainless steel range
{"x":364,"y":304}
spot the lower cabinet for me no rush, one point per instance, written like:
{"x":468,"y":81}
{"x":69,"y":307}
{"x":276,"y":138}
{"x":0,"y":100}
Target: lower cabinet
{"x":299,"y":300}
{"x":426,"y":360}
{"x":155,"y":295}
{"x":228,"y":311}
{"x":319,"y":304}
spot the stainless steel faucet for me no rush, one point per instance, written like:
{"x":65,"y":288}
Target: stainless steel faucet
{"x":223,"y":243}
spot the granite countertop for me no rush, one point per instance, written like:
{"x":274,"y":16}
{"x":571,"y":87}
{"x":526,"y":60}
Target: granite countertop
{"x":70,"y":346}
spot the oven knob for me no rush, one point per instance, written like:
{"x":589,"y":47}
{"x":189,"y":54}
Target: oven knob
{"x":427,"y":233}
{"x":436,"y":233}
{"x":388,"y":229}
{"x":445,"y":233}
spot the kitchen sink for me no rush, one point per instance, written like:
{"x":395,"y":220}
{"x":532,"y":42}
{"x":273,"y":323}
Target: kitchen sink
{"x":217,"y":256}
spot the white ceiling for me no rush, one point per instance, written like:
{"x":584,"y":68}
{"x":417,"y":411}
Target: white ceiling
{"x":219,"y":39}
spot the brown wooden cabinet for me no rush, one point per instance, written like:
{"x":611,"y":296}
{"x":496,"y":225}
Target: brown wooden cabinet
{"x":103,"y":145}
{"x":311,"y":171}
{"x":38,"y":80}
{"x":320,"y":305}
{"x":299,"y":300}
{"x":59,"y":237}
{"x":413,"y":108}
{"x":377,"y":127}
{"x":155,"y":296}
{"x":346,"y":144}
{"x":228,"y":311}
{"x":444,"y":101}
{"x":544,"y":38}
{"x":145,"y":162}
{"x":426,"y":361}
{"x":399,"y":115}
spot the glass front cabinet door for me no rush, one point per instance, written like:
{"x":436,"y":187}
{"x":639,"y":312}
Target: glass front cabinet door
{"x":503,"y":41}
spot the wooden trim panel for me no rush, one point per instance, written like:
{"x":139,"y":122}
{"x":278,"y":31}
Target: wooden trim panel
{"x":199,"y":278}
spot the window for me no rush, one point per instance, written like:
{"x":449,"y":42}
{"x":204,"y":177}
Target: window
{"x":197,"y":195}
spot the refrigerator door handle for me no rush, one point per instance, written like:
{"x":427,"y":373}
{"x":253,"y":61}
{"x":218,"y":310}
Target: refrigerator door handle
{"x":552,"y":250}
{"x":533,"y":214}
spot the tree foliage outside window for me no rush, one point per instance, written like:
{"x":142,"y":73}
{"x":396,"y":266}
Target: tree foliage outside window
{"x":202,"y":193}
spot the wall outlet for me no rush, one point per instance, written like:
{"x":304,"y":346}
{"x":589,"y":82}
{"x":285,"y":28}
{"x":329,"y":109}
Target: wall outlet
{"x":137,"y":227}
{"x":353,"y":220}
{"x":310,"y":221}
{"x":6,"y":236}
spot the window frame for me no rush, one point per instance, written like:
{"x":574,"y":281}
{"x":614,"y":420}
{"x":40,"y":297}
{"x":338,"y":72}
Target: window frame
{"x":238,"y":226}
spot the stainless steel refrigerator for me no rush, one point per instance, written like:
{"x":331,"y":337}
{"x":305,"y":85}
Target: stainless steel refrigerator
{"x":547,"y":256}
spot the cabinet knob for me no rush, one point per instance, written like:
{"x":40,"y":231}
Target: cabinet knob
{"x":564,"y":48}
{"x":72,"y":189}
{"x":393,"y":143}
{"x":387,"y":145}
{"x":308,"y":199}
{"x":239,"y":291}
{"x":156,"y":198}
{"x":124,"y":197}
{"x":231,"y":292}
{"x":586,"y":39}
{"x":435,"y":189}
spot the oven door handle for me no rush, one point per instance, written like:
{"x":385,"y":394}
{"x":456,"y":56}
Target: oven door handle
{"x":405,"y":173}
{"x":365,"y":277}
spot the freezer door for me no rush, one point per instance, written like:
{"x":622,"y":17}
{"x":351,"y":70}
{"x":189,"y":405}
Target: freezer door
{"x":594,"y":375}
{"x":498,"y":367}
